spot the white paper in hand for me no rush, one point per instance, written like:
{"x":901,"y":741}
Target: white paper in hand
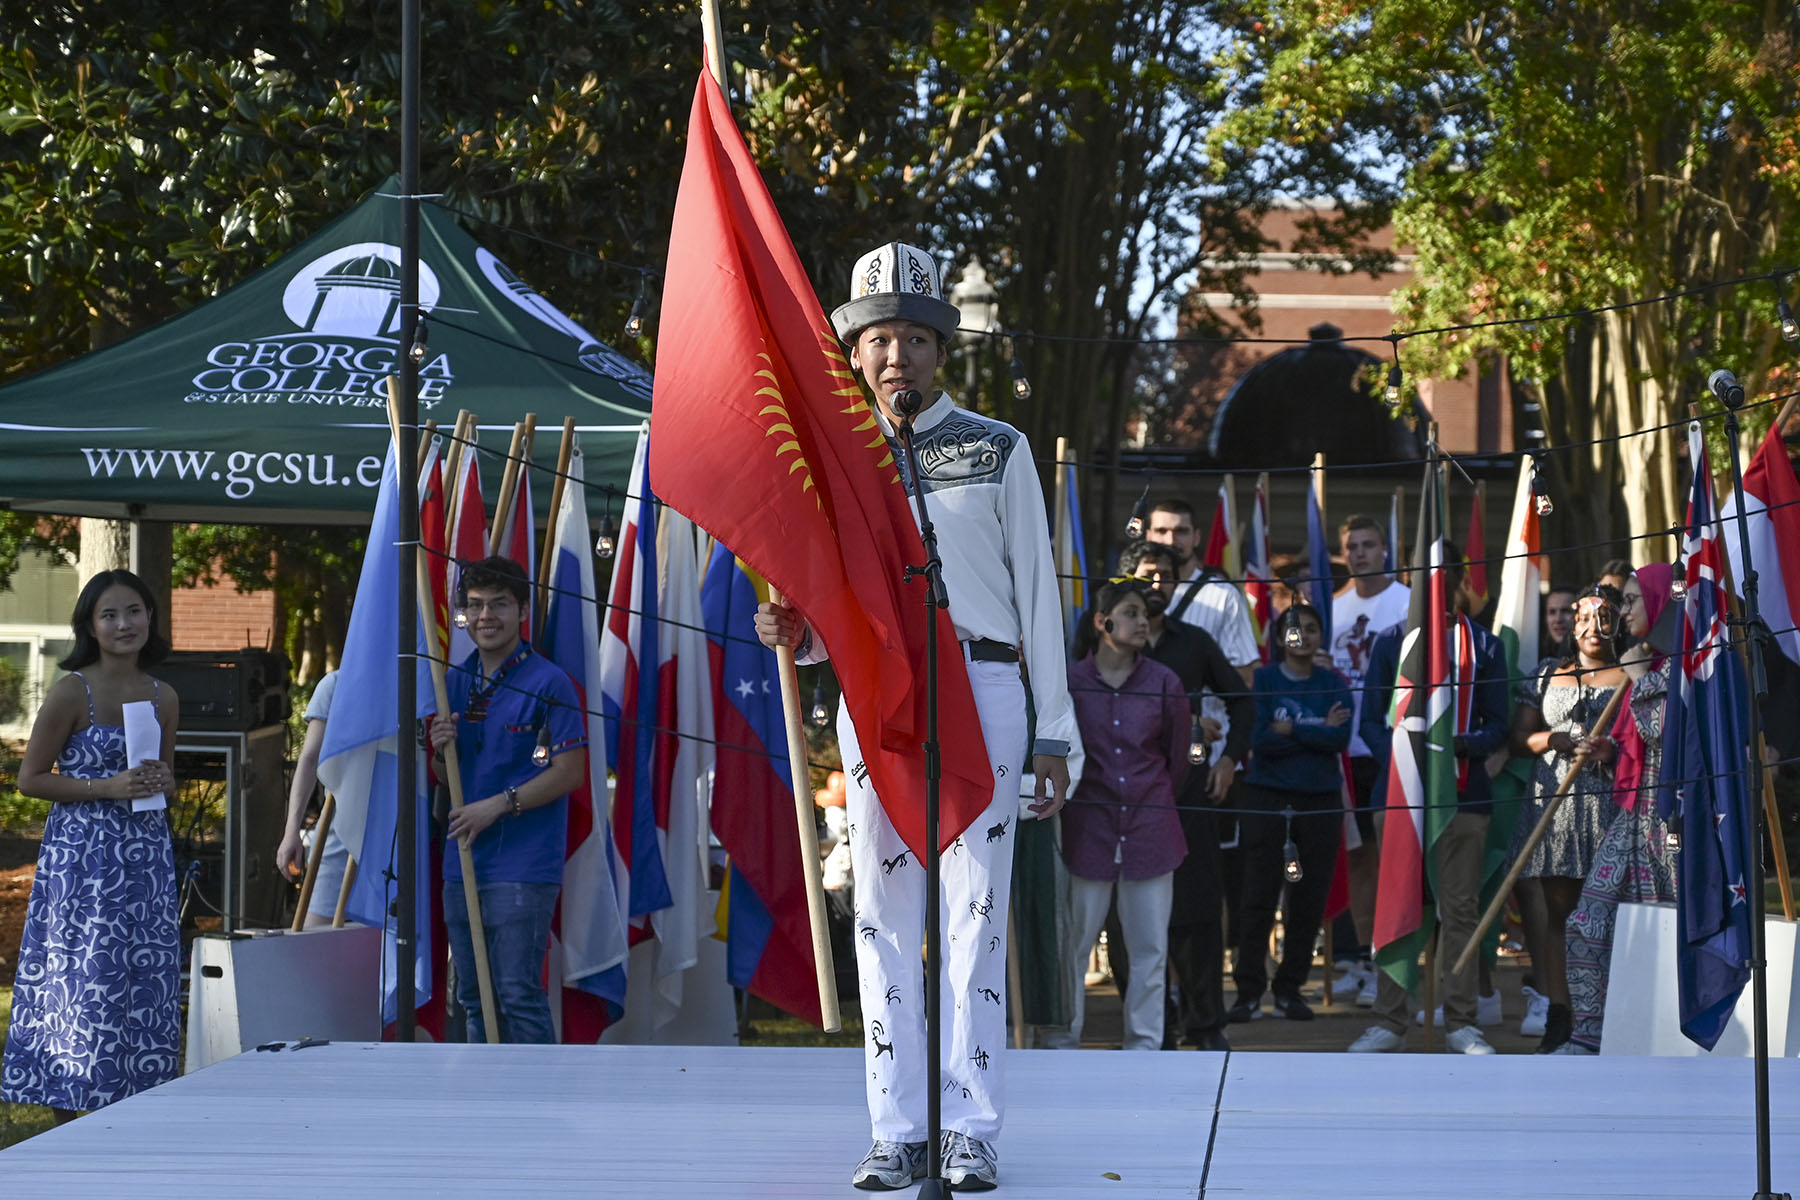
{"x":143,"y":743}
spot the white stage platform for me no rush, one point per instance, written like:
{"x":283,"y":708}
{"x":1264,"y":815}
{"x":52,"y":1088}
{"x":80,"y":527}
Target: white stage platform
{"x":644,"y":1123}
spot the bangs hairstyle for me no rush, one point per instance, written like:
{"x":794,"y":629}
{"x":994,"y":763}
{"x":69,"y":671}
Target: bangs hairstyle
{"x":489,"y":574}
{"x":1111,"y":594}
{"x":81,"y":622}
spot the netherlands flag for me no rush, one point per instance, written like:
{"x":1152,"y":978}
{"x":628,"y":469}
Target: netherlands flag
{"x":631,"y":700}
{"x":587,"y":937}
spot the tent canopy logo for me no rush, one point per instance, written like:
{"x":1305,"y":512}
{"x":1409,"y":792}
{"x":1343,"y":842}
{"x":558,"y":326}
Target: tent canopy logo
{"x":345,"y":305}
{"x":354,"y":291}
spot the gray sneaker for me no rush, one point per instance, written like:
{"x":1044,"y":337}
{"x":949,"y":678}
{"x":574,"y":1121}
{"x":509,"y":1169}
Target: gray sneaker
{"x":889,"y":1166}
{"x":970,"y":1164}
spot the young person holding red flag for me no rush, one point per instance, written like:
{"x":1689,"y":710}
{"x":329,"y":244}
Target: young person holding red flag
{"x":983,"y":495}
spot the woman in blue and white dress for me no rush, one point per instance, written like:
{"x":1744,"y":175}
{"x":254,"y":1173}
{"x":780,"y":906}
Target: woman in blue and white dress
{"x":96,"y":1004}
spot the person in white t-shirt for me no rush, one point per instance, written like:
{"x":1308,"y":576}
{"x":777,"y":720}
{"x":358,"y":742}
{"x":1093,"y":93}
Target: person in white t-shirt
{"x":1201,"y":599}
{"x":1370,"y":604}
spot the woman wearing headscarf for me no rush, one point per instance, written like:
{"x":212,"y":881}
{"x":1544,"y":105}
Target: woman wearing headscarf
{"x":1635,"y":862}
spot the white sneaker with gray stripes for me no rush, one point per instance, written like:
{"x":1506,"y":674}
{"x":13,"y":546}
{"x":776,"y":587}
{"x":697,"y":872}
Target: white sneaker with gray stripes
{"x":890,"y":1166}
{"x":970,"y":1164}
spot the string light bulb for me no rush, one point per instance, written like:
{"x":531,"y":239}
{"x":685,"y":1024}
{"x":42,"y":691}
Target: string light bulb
{"x":1393,"y":385}
{"x":1672,"y":842}
{"x":1140,"y":512}
{"x":1540,"y":489}
{"x":462,"y":619}
{"x":540,"y":753}
{"x":1198,"y":751}
{"x":607,"y":544}
{"x":634,"y":324}
{"x":421,"y":338}
{"x":1021,"y":385}
{"x":821,"y":711}
{"x":1290,"y":853}
{"x":1790,"y":328}
{"x":1678,"y":588}
{"x":1291,"y":637}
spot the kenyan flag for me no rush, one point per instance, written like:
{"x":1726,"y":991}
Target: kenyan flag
{"x":1422,"y":774}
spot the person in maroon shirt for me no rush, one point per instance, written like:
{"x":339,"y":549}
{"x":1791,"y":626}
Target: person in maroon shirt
{"x":1120,"y":832}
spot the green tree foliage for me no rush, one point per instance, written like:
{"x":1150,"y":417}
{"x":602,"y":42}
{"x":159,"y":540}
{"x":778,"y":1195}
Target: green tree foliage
{"x":1554,"y":157}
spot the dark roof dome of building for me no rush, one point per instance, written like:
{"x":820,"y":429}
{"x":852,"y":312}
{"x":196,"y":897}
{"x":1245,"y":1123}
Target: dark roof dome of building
{"x":1306,"y":399}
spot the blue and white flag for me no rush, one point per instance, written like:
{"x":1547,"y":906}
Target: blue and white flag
{"x":1705,"y":793}
{"x":587,"y":940}
{"x":359,"y":762}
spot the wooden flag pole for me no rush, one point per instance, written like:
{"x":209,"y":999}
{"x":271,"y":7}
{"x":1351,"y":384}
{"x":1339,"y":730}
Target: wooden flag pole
{"x":471,"y":889}
{"x":430,"y":432}
{"x":1777,"y":846}
{"x":547,"y":557}
{"x":1537,"y":835}
{"x":337,"y":916}
{"x":810,"y":864}
{"x":509,"y":484}
{"x":463,"y":434}
{"x":312,"y":861}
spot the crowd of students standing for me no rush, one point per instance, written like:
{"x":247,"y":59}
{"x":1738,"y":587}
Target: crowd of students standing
{"x":1221,"y":789}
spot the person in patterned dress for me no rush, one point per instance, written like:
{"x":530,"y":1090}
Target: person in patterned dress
{"x":1634,"y":863}
{"x":1553,"y":723}
{"x":96,"y":1004}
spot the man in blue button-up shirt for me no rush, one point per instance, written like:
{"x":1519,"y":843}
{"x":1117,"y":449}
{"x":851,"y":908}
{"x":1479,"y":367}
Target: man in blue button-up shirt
{"x":516,"y":717}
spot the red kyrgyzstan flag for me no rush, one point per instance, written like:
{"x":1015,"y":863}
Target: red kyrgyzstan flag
{"x":762,"y":435}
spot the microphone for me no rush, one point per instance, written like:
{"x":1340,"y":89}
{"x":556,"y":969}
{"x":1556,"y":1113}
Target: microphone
{"x":907,"y":402}
{"x":1726,"y":387}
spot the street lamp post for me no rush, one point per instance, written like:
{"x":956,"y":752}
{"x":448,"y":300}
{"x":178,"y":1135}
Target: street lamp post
{"x":974,"y":295}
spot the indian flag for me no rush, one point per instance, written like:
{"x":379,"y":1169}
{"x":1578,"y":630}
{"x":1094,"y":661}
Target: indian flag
{"x":1421,"y":788}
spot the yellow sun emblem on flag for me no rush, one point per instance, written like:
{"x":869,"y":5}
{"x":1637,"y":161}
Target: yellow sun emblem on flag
{"x":846,"y":384}
{"x":782,"y":425}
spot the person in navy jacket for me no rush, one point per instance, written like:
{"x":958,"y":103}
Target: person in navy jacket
{"x":1292,"y":813}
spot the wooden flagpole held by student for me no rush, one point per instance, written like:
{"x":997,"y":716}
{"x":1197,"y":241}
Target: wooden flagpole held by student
{"x":1537,"y":835}
{"x":548,"y":555}
{"x":312,"y":861}
{"x":490,"y":1015}
{"x":810,"y":863}
{"x":509,"y":487}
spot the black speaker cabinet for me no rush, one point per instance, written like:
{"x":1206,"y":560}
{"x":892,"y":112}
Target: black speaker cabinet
{"x":239,"y":690}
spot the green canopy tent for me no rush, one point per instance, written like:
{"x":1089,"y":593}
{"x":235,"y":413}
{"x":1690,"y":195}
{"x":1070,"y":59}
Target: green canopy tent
{"x":267,"y":404}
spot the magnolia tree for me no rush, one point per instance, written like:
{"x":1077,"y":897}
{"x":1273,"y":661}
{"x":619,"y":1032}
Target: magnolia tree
{"x":1542,"y":159}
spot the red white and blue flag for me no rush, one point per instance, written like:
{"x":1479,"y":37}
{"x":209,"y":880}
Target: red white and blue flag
{"x":1259,"y":579}
{"x":1706,"y":796}
{"x":684,"y":759}
{"x":588,"y":949}
{"x":768,"y":938}
{"x":631,"y":700}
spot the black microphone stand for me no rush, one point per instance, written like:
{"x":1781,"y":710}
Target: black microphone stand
{"x":1750,"y":625}
{"x":934,"y":1186}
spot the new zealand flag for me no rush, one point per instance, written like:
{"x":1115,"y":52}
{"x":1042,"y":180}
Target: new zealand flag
{"x":1705,"y":793}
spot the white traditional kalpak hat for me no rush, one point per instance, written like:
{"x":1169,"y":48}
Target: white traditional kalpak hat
{"x":896,"y":282}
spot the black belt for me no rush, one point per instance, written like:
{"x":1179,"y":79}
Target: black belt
{"x":988,"y":650}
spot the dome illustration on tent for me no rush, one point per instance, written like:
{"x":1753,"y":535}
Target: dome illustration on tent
{"x":359,"y":297}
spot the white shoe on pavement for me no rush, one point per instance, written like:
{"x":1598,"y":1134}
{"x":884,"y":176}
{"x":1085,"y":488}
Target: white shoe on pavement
{"x":1537,"y":1011}
{"x":1350,"y":982}
{"x":1377,"y":1039}
{"x":1467,"y":1040}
